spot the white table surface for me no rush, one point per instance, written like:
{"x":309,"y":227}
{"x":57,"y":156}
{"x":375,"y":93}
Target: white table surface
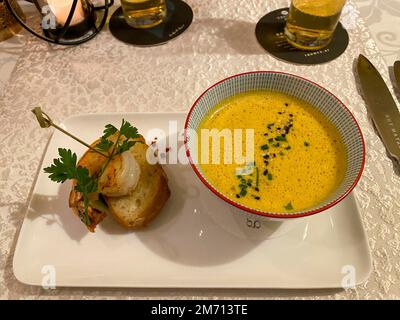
{"x":381,"y":16}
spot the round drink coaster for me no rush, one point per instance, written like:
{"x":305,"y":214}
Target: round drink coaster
{"x":270,"y":35}
{"x":179,"y":18}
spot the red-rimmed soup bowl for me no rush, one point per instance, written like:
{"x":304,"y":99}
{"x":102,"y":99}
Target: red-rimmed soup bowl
{"x":323,"y":100}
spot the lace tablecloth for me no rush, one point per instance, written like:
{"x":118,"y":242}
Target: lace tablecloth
{"x":380,"y":16}
{"x":105,"y":75}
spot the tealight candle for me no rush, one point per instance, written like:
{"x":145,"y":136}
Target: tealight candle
{"x":62,"y":8}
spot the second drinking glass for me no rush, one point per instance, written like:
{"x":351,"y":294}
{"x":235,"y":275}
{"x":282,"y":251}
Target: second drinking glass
{"x":311,"y":24}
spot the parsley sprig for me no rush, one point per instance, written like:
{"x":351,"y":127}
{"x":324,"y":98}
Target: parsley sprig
{"x":126,"y":139}
{"x":65,"y":167}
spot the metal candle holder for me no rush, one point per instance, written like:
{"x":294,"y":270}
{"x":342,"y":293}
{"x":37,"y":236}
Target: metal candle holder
{"x":61,"y":36}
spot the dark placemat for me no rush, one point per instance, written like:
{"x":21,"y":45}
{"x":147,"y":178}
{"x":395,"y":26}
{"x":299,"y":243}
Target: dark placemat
{"x":179,"y":18}
{"x":269,"y":33}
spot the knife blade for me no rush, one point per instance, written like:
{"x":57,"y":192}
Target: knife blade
{"x":396,"y":68}
{"x":380,"y":105}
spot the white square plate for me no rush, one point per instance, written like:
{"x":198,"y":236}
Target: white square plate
{"x":196,"y":241}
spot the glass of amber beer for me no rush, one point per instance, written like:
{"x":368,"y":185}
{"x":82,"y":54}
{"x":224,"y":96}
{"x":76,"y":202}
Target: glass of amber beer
{"x":144,"y":13}
{"x":311,"y":23}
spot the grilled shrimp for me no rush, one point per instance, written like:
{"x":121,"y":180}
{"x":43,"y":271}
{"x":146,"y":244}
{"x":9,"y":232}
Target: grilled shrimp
{"x":119,"y":178}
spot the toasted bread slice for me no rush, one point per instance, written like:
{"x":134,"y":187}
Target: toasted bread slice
{"x":137,"y":209}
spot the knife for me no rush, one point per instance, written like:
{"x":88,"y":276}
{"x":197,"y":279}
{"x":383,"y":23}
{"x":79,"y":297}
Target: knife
{"x":380,"y":105}
{"x":396,"y":68}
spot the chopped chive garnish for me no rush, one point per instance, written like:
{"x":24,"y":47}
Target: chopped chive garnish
{"x":270,"y":140}
{"x":280,"y":138}
{"x":289,"y":206}
{"x":257,"y":178}
{"x":288,"y":148}
{"x":264,"y":147}
{"x":243,"y":192}
{"x":276,"y":145}
{"x":269,"y":176}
